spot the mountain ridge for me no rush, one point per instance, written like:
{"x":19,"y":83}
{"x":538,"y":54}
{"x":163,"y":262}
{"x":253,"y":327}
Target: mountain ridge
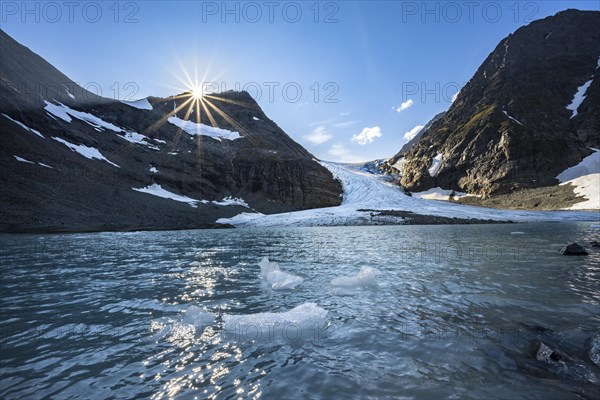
{"x":509,"y":128}
{"x":102,"y":164}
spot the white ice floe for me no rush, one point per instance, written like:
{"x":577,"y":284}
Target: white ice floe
{"x":440,"y":194}
{"x":436,"y":163}
{"x":579,"y":97}
{"x":275,"y":277}
{"x":256,"y":119}
{"x":157,"y":190}
{"x":512,"y":118}
{"x":22,"y":125}
{"x":194,"y":128}
{"x":45,"y":165}
{"x":301,"y":323}
{"x":142,"y":104}
{"x":366,"y":277}
{"x":363,"y":190}
{"x":194,"y":315}
{"x":87,"y":152}
{"x":21,"y":159}
{"x":153,"y":170}
{"x":585,"y":176}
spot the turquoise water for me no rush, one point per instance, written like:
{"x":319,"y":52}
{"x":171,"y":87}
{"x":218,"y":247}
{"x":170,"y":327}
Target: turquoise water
{"x":122,"y":315}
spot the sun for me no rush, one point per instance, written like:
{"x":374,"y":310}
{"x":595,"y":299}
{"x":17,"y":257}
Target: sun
{"x":196,"y":93}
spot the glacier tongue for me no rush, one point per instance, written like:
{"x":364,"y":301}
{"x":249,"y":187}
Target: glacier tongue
{"x":367,"y":191}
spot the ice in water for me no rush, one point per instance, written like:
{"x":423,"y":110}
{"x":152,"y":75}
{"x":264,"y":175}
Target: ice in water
{"x":303,"y":322}
{"x":196,"y":316}
{"x":275,"y":277}
{"x":366,"y":277}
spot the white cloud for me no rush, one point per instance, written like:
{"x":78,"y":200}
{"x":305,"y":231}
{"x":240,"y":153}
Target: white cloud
{"x":344,"y":113}
{"x":367,"y":135}
{"x":345,"y":124}
{"x":413,"y":132}
{"x":342,"y":154}
{"x":405,"y":105}
{"x":318,"y":135}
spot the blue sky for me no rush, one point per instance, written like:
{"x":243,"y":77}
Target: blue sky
{"x":331,"y":74}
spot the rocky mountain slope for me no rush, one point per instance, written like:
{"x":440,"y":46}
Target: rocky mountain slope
{"x":531,"y":110}
{"x":74,"y":161}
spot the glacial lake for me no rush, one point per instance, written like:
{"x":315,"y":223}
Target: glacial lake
{"x":450,"y":315}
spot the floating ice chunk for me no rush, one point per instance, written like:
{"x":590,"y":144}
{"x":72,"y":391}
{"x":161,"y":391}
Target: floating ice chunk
{"x":153,"y":170}
{"x":303,"y":322}
{"x":197,"y":316}
{"x":366,"y":277}
{"x":256,"y":119}
{"x":275,"y":277}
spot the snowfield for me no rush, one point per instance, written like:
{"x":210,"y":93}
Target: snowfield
{"x":364,"y":190}
{"x":88,"y":152}
{"x":585,"y":176}
{"x":142,"y":104}
{"x":194,"y":129}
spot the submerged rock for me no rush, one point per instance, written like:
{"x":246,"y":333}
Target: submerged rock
{"x":573,"y":249}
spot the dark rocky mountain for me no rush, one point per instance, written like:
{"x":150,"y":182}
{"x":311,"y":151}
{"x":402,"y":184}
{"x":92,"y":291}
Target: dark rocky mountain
{"x":389,"y":165}
{"x":417,"y":137}
{"x":71,"y":160}
{"x":510,"y":128}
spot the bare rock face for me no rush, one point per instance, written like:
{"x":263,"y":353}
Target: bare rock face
{"x":509,"y":127}
{"x":47,"y":186}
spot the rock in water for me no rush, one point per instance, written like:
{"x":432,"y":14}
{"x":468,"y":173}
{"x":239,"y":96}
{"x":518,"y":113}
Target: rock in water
{"x":545,"y":353}
{"x":595,"y":349}
{"x":573,"y":249}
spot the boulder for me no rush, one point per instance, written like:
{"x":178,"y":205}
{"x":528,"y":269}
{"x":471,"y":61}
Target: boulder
{"x":573,"y":249}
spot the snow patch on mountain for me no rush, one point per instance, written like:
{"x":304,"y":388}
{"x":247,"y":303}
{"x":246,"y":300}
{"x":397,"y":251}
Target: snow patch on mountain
{"x":65,"y":113}
{"x":579,"y":97}
{"x":436,"y":164}
{"x":438,"y":193}
{"x":231,"y":201}
{"x":142,"y":104}
{"x":21,"y":159}
{"x":156,"y":190}
{"x":512,"y":118}
{"x":22,"y":125}
{"x":87,"y":152}
{"x":194,"y":129}
{"x":585,"y":176}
